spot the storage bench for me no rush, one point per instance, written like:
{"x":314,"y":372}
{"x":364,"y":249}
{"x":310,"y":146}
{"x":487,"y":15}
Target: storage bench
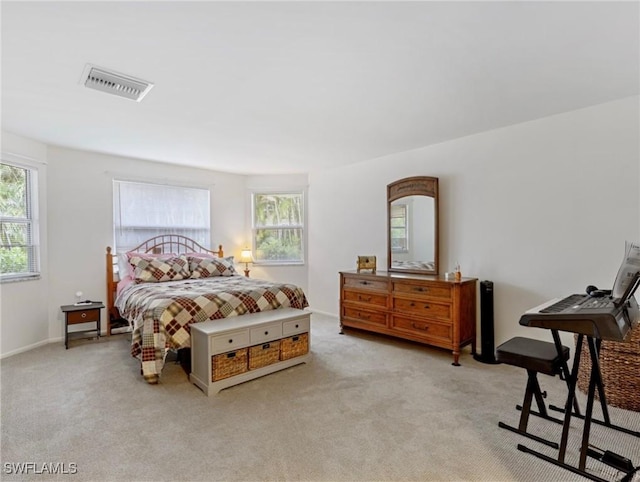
{"x":238,"y":349}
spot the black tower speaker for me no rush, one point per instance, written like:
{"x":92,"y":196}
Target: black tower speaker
{"x":487,"y":344}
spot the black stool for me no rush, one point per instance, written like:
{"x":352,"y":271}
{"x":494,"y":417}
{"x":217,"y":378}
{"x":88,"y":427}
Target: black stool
{"x":536,"y":357}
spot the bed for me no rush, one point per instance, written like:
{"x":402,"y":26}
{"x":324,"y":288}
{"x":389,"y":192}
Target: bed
{"x":169,"y":282}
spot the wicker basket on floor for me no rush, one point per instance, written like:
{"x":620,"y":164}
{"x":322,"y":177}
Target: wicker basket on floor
{"x":620,"y":368}
{"x":263,"y":355}
{"x":229,"y":364}
{"x":294,"y":346}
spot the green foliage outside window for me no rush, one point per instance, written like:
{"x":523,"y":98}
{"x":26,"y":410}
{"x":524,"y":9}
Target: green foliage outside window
{"x":16,"y":252}
{"x":278,"y":227}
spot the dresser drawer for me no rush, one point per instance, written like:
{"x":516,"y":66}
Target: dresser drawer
{"x":429,"y":329}
{"x":83,"y":316}
{"x":424,"y":308}
{"x":365,"y":284}
{"x":430,"y":290}
{"x":294,"y":327}
{"x":229,"y":341}
{"x":264,"y":333}
{"x":427,"y":309}
{"x":364,"y":316}
{"x":368,"y":298}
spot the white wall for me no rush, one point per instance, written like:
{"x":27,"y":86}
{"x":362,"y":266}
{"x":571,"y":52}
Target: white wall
{"x":81,"y":217}
{"x":77,"y":207}
{"x":23,"y":304}
{"x":517,"y":207}
{"x":541,"y":208}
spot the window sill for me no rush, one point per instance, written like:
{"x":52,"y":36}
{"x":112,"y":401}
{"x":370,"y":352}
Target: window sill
{"x":19,"y":278}
{"x":266,"y":264}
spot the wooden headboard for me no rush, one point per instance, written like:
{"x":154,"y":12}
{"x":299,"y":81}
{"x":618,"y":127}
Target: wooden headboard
{"x":165,"y":243}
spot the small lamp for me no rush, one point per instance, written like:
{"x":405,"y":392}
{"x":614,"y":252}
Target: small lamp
{"x":246,"y":258}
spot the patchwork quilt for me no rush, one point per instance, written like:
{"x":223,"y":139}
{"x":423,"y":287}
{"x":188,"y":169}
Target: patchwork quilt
{"x":161,"y":313}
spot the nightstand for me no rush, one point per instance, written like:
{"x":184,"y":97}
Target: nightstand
{"x":78,"y":314}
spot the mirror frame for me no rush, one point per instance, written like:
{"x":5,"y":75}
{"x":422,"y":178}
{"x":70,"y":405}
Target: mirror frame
{"x":414,"y":186}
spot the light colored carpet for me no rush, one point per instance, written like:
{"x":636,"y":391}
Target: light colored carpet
{"x":364,"y":408}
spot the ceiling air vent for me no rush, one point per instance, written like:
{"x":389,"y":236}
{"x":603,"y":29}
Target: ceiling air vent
{"x":114,"y":83}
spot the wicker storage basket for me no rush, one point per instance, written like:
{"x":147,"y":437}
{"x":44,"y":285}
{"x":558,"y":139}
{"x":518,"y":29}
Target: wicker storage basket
{"x":263,"y":355}
{"x":294,"y":346}
{"x":229,"y":364}
{"x":620,"y":369}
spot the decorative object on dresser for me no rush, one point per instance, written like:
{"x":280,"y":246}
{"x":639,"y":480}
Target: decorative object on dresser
{"x":423,"y":308}
{"x":366,"y":262}
{"x":235,"y":350}
{"x":412,"y":221}
{"x":80,"y":313}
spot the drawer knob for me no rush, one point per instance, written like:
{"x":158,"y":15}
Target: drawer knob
{"x":84,"y":315}
{"x":426,"y":307}
{"x":297,"y":326}
{"x":266,"y":332}
{"x":363,"y":298}
{"x":230,"y":340}
{"x":364,"y":283}
{"x":421,"y":289}
{"x":426,"y":327}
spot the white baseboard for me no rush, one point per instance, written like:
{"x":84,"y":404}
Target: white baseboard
{"x":58,"y":339}
{"x":320,"y":312}
{"x":25,"y":348}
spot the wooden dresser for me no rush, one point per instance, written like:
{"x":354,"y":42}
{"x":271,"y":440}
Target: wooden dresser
{"x":422,"y":308}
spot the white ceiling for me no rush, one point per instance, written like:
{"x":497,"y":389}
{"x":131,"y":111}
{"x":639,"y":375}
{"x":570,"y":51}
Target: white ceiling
{"x":290,"y":87}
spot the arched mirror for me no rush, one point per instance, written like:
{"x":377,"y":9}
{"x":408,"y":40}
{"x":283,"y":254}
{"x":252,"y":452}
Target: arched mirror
{"x":412,"y":219}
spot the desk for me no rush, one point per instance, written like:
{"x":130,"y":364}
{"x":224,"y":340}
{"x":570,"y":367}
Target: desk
{"x":594,"y":332}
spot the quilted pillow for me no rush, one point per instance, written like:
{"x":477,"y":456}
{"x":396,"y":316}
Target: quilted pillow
{"x":125,"y":268}
{"x":209,"y":267}
{"x":157,"y":270}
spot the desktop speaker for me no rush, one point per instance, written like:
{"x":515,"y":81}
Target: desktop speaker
{"x":487,"y":344}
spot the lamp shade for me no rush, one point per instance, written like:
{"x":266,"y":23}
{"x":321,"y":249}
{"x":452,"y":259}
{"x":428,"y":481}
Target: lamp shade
{"x":245,"y":256}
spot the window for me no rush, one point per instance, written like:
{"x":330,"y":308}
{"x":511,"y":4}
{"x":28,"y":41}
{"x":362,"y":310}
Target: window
{"x":144,"y":210}
{"x":399,"y":228}
{"x":278,"y":227}
{"x":18,"y":220}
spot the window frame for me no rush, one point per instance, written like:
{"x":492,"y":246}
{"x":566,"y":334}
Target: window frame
{"x":31,"y":220}
{"x":405,"y":217}
{"x":302,"y":192}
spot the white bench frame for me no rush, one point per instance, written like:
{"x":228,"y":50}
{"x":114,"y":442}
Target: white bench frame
{"x":214,"y":337}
